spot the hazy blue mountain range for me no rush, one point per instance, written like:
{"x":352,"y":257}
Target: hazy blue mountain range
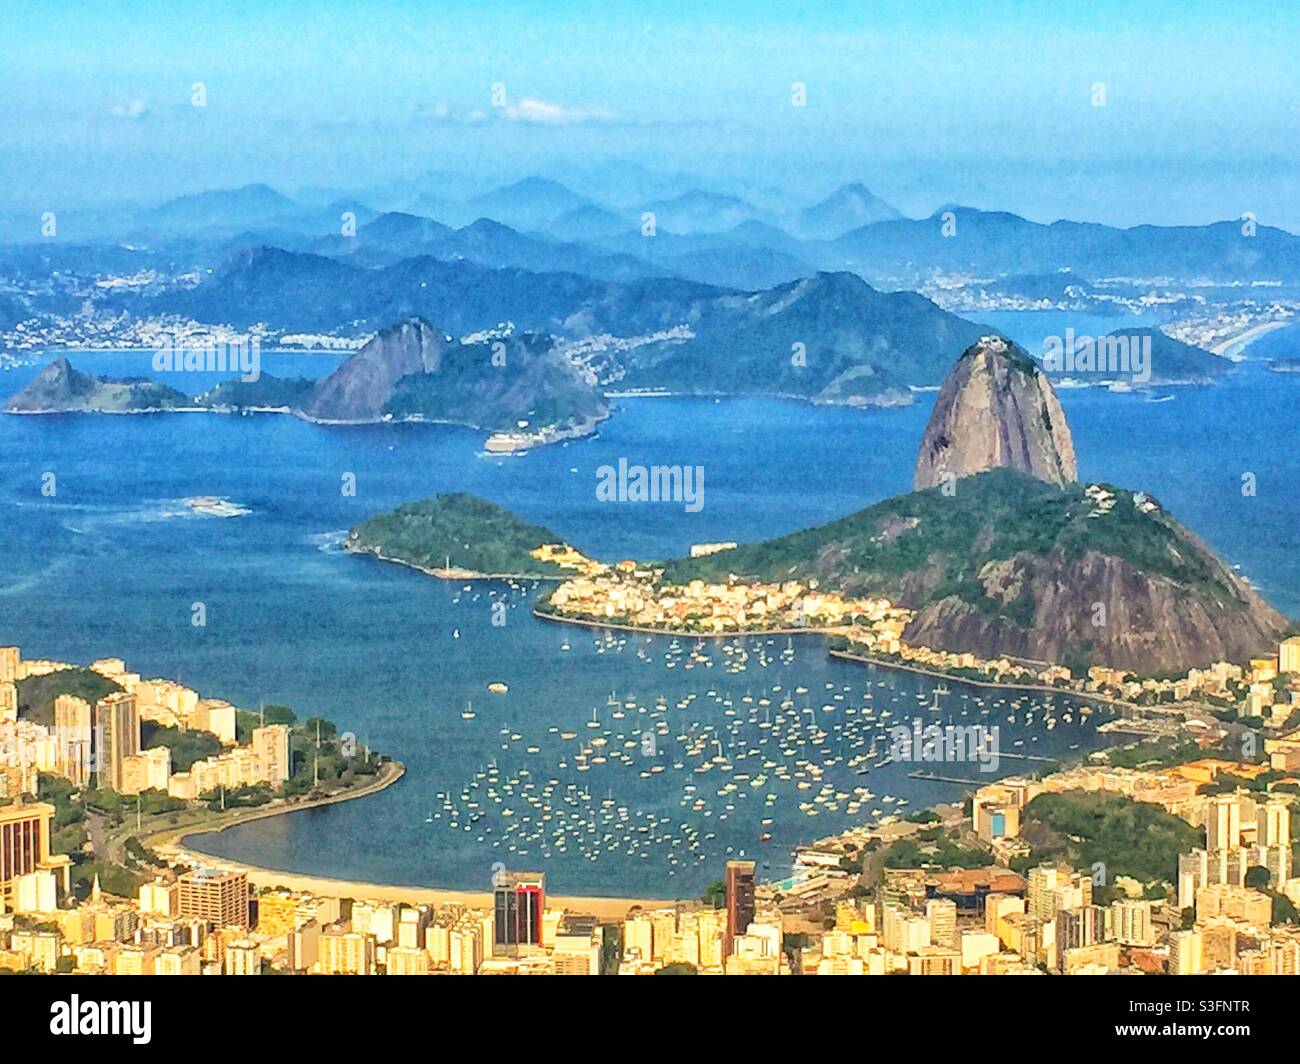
{"x":589,"y":222}
{"x":858,"y":344}
{"x":224,"y":207}
{"x":701,"y":211}
{"x":1000,"y":244}
{"x":296,"y":291}
{"x":750,"y":255}
{"x":395,"y":236}
{"x":532,"y":203}
{"x":701,"y":233}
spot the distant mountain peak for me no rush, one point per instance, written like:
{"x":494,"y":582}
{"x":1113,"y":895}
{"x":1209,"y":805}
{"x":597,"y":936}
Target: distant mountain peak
{"x":488,"y":225}
{"x":529,"y":203}
{"x":849,"y":207}
{"x":535,"y":183}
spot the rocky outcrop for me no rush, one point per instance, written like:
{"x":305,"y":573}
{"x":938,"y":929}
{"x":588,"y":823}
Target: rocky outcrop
{"x":995,"y":410}
{"x":1105,"y":610}
{"x":413,"y":372}
{"x":59,"y":388}
{"x":360,"y":388}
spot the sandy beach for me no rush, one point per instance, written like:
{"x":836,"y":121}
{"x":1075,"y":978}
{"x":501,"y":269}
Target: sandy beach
{"x":172,"y":844}
{"x":1225,"y":348}
{"x":605,"y":908}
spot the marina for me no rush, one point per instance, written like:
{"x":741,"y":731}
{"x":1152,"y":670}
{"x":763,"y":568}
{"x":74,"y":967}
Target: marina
{"x":737,"y":761}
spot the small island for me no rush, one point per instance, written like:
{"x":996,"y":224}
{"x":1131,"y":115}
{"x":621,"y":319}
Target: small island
{"x":62,"y":389}
{"x":460,"y":536}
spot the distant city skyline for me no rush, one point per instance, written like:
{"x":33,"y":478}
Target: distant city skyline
{"x":992,"y":106}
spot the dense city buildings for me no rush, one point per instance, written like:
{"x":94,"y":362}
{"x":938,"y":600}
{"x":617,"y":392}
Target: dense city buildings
{"x":1221,"y":905}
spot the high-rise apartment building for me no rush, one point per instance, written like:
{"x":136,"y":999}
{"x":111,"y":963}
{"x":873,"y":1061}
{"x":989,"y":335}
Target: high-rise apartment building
{"x":1223,"y":822}
{"x":1288,"y":656}
{"x":740,"y":902}
{"x":117,"y":737}
{"x":73,"y":739}
{"x":9,"y":658}
{"x":1131,"y":922}
{"x":942,"y":914}
{"x":271,"y":750}
{"x":1185,"y":953}
{"x":519,"y":900}
{"x":346,"y":953}
{"x":1056,"y":887}
{"x":1075,"y":928}
{"x":25,"y":847}
{"x":219,"y":898}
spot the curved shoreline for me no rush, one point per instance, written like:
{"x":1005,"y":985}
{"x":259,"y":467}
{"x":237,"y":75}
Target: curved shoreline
{"x":174,"y":842}
{"x":448,"y":574}
{"x":1243,"y":340}
{"x":843,"y":655}
{"x":1009,"y":685}
{"x":363,"y":890}
{"x":174,"y":838}
{"x":586,"y":622}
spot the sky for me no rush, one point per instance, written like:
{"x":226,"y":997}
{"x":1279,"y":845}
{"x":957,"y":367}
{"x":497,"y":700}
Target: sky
{"x":991,"y":105}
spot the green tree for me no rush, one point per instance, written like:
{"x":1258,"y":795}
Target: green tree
{"x":1257,"y":877}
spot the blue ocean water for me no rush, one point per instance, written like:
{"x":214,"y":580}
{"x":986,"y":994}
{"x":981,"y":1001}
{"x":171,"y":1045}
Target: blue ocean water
{"x":113,"y":563}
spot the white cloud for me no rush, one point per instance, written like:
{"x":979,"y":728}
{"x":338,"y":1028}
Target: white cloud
{"x":131,"y":109}
{"x":551,"y":114}
{"x":440,"y":113}
{"x":530,"y":110}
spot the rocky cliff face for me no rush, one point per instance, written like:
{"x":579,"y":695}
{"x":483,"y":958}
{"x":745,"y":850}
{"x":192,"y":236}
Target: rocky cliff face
{"x":996,"y":409}
{"x":55,"y":387}
{"x":413,"y":371}
{"x":360,"y":388}
{"x":1103,"y":609}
